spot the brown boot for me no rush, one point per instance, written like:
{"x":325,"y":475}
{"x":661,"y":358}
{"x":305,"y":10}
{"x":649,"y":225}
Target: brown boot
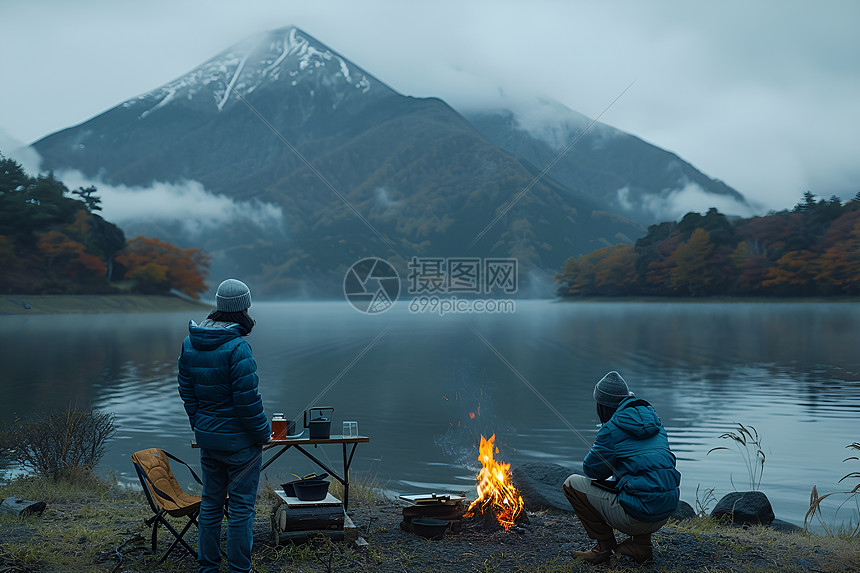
{"x":600,"y":553}
{"x":637,"y":547}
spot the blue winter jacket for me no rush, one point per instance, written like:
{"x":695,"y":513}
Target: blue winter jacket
{"x":633,"y":446}
{"x":218,"y":384}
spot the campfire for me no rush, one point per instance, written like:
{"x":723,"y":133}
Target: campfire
{"x":497,"y":497}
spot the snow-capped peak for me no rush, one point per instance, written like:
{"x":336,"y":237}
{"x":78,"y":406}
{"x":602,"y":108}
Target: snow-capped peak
{"x":286,"y":56}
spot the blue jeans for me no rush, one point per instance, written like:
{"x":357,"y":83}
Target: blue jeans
{"x":236,"y":473}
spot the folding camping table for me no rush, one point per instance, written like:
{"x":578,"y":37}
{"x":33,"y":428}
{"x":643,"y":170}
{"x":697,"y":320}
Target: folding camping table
{"x":300,"y":443}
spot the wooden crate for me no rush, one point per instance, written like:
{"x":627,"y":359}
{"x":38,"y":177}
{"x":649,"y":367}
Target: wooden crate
{"x":296,"y":521}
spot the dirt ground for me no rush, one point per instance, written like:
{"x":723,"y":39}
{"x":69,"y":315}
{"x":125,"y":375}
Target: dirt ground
{"x":545,"y":545}
{"x":107,"y":534}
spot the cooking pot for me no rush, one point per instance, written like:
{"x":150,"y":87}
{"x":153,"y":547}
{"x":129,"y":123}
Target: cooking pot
{"x":290,"y":486}
{"x":429,"y":528}
{"x":311,"y":489}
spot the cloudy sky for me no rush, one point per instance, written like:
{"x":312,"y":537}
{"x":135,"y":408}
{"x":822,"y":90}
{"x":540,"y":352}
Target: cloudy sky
{"x":764,"y":95}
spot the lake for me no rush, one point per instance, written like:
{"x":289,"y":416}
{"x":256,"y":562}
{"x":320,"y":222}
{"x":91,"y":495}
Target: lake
{"x":426,"y":387}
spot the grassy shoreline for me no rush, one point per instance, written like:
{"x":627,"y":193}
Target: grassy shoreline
{"x":95,"y":303}
{"x":98,"y":526}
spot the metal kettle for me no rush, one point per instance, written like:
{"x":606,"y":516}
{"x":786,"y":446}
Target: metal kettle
{"x":319,"y":427}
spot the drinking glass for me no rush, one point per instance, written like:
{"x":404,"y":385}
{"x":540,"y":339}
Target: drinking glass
{"x":350,"y":429}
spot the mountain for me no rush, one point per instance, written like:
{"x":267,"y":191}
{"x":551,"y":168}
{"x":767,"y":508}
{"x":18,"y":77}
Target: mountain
{"x":197,"y":127}
{"x":392,"y":176}
{"x":630,"y":176}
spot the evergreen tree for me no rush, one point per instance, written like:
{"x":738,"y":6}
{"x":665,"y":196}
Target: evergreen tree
{"x":90,"y":199}
{"x":56,"y":243}
{"x":806,"y":204}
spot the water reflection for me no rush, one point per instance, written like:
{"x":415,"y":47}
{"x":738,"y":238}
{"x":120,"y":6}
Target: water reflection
{"x":429,"y":388}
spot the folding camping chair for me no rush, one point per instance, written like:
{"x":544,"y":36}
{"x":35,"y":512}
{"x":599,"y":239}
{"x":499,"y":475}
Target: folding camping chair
{"x":165,"y":496}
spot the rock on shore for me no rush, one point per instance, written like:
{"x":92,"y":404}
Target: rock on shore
{"x":744,"y":508}
{"x":540,"y":485}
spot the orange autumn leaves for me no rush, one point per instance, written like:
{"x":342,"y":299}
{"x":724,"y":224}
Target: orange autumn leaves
{"x":155,"y":266}
{"x":59,"y":249}
{"x":813,"y":250}
{"x":158,"y":266}
{"x":52,"y":241}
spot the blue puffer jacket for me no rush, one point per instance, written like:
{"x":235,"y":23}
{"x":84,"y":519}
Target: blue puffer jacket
{"x":218,"y":383}
{"x":633,"y":446}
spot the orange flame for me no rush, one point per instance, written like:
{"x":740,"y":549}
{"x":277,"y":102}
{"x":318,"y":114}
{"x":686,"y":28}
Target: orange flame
{"x":495,"y":489}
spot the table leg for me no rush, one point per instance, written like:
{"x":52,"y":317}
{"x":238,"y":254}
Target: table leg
{"x":346,"y":479}
{"x":276,"y":456}
{"x":318,"y":462}
{"x":347,"y":461}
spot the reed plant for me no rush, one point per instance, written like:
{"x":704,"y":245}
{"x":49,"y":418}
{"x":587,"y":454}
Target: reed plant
{"x":851,"y":529}
{"x":704,"y":502}
{"x":748,"y":443}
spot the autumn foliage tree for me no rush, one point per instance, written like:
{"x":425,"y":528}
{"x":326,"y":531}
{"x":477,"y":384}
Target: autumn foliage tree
{"x":839,"y":263}
{"x":812,"y":250}
{"x":158,"y":267}
{"x":59,"y":250}
{"x":52,"y":241}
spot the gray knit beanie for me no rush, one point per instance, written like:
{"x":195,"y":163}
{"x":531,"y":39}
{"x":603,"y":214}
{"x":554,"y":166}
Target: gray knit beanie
{"x":233,"y":296}
{"x":611,"y":390}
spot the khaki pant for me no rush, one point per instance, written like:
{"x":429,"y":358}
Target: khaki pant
{"x":600,"y":512}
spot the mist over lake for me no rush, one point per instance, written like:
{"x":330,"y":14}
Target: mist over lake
{"x":426,"y":387}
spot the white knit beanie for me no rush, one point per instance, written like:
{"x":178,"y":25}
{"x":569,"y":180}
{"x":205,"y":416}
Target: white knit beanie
{"x":233,"y":296}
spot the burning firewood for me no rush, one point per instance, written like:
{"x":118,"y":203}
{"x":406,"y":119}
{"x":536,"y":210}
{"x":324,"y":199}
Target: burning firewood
{"x":498,"y":499}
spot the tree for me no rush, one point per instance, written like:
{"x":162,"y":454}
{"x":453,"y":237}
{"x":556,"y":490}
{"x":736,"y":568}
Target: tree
{"x":751,"y":267}
{"x":609,"y":271}
{"x":578,"y":274}
{"x":7,"y":253}
{"x":806,"y":204}
{"x":812,"y":250}
{"x":658,"y":271}
{"x":794,"y":273}
{"x":690,"y":262}
{"x":100,"y":238}
{"x":90,"y":199}
{"x":13,"y":178}
{"x":71,"y":255}
{"x":715,"y":223}
{"x":158,"y":266}
{"x":839,"y":264}
{"x":151,"y":278}
{"x":616,"y":273}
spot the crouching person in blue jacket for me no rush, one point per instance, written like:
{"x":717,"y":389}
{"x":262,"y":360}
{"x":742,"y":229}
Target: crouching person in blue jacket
{"x":631,"y":447}
{"x":218,"y":384}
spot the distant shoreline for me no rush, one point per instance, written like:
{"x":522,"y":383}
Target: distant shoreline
{"x":707,"y":299}
{"x":15,"y":304}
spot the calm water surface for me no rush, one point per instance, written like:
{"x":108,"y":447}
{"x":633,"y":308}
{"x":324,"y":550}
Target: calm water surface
{"x":429,"y":386}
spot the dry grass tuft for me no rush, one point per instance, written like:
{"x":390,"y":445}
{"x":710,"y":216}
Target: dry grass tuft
{"x":850,"y":530}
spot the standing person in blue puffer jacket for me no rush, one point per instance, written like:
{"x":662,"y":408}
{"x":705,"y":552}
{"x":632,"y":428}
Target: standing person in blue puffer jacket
{"x":218,"y":384}
{"x":632,"y":447}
